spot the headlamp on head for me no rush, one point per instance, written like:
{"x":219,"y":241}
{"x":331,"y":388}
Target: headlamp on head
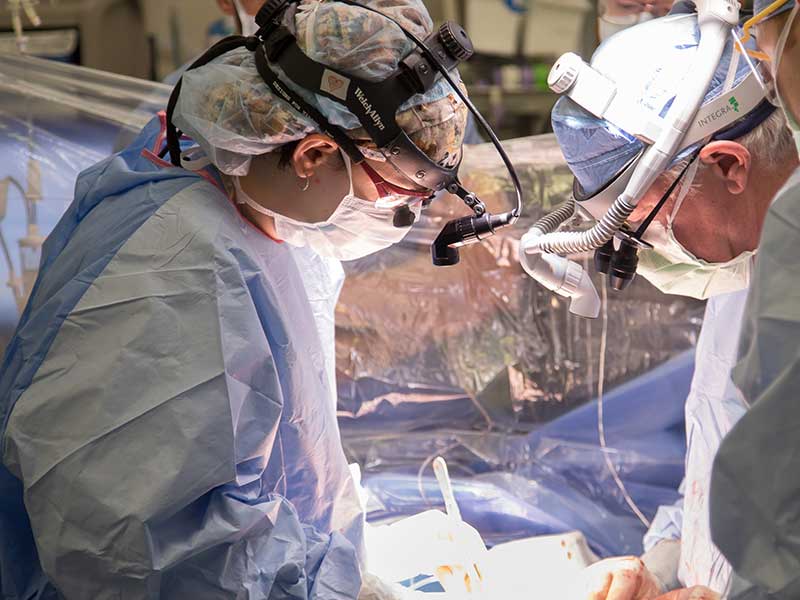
{"x":375,"y":105}
{"x":665,"y":126}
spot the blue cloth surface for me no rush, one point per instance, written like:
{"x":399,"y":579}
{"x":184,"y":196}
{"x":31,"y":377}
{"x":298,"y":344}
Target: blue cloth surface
{"x":167,"y":417}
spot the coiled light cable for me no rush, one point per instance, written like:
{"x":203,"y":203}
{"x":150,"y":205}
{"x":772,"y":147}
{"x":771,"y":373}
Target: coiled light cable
{"x":551,"y":222}
{"x":571,"y":242}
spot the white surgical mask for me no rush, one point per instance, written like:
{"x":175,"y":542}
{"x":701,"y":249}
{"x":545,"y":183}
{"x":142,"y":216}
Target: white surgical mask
{"x":249,"y":25}
{"x":776,"y":63}
{"x":674,"y":270}
{"x":356,"y":228}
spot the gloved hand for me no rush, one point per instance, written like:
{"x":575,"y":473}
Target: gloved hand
{"x":624,"y":578}
{"x":695,"y":593}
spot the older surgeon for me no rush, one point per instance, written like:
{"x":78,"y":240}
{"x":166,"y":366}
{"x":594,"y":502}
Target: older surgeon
{"x":704,"y":236}
{"x":755,"y":492}
{"x":168,"y":429}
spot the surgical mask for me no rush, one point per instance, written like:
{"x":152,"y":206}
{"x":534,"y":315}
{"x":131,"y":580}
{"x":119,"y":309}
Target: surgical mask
{"x":249,"y":26}
{"x":776,"y":63}
{"x":674,"y":270}
{"x":356,"y":228}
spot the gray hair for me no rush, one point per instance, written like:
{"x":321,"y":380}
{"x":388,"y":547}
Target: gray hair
{"x":770,"y":140}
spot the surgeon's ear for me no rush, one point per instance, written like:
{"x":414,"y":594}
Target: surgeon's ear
{"x":313,"y":152}
{"x":227,"y":7}
{"x":730,"y":162}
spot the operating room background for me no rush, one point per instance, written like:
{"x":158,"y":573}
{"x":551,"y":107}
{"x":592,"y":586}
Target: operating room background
{"x":476,"y":362}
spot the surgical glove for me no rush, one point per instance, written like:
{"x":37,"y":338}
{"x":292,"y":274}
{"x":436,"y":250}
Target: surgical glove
{"x":663,"y":560}
{"x":696,"y":593}
{"x":624,"y":578}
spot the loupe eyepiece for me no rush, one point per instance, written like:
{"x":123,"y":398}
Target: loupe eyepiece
{"x":444,"y":249}
{"x":622,"y":269}
{"x":463,"y":232}
{"x":443,"y":254}
{"x":603,"y":256}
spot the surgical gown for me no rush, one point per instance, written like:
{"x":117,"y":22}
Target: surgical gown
{"x":169,"y":429}
{"x":712,"y":409}
{"x":755,"y":492}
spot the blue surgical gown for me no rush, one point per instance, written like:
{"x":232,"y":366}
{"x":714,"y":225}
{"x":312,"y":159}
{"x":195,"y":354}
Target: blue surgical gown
{"x":168,"y":429}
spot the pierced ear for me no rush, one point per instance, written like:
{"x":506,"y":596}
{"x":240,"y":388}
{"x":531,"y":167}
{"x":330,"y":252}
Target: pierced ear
{"x":312,"y":153}
{"x":729,"y":162}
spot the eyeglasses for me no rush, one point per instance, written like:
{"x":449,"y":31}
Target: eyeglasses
{"x":391,"y":195}
{"x":752,"y":22}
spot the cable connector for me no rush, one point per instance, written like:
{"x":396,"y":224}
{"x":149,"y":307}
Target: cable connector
{"x":560,"y":275}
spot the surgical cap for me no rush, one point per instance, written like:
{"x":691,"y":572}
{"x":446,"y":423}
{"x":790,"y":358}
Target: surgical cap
{"x":649,"y":63}
{"x":227,"y":108}
{"x":759,"y":5}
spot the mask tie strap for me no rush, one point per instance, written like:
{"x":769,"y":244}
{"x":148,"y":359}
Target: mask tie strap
{"x":691,"y":172}
{"x":349,"y":166}
{"x":684,"y":191}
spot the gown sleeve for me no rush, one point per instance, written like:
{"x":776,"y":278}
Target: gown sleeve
{"x":146,"y":439}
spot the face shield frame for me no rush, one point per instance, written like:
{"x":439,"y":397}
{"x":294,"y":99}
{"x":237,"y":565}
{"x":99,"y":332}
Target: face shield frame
{"x":732,"y":114}
{"x":594,"y":206}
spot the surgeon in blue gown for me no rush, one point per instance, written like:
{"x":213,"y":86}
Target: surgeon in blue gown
{"x":168,"y":417}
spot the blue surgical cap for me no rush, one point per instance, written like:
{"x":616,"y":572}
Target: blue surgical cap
{"x":648,"y":62}
{"x":759,"y":5}
{"x":595,"y":149}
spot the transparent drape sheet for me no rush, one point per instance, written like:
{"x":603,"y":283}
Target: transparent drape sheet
{"x":55,"y":120}
{"x":475,"y":362}
{"x":483,"y":366}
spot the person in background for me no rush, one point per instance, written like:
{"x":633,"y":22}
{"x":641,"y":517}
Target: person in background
{"x":704,"y":238}
{"x":755,"y":491}
{"x":168,"y":419}
{"x":617,"y":15}
{"x":242,"y":13}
